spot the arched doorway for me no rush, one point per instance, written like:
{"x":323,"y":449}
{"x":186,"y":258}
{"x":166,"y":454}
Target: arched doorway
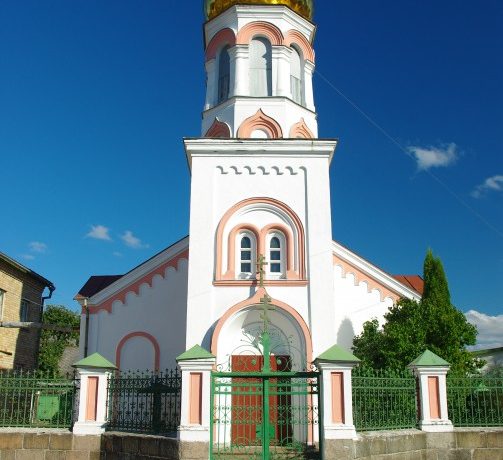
{"x":264,"y":396}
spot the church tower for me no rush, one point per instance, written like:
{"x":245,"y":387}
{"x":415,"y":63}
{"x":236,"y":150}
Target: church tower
{"x":260,"y":185}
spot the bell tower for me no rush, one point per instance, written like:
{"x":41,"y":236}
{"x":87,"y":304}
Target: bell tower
{"x":260,"y":187}
{"x":259,"y":68}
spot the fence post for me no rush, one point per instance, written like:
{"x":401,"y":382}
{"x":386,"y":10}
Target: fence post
{"x":94,"y":372}
{"x":196,"y":365}
{"x":430,"y":371}
{"x":336,"y":397}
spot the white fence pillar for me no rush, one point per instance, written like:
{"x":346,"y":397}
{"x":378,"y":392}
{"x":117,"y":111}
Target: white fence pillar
{"x":336,"y":365}
{"x":196,"y":365}
{"x":431,"y":372}
{"x":94,"y":372}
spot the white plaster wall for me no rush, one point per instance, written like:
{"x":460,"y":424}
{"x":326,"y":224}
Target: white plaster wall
{"x":353,"y":306}
{"x":306,"y":191}
{"x":159,"y":310}
{"x":283,"y":110}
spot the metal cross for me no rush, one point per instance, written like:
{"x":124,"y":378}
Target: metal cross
{"x":261,"y":263}
{"x":265,"y":302}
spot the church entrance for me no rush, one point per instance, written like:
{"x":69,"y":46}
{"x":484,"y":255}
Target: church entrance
{"x":263,"y":406}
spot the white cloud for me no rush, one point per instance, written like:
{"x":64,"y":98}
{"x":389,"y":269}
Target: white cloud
{"x":490,"y":329}
{"x":38,"y":247}
{"x":117,"y":254}
{"x":99,"y":232}
{"x":28,"y":256}
{"x":491,"y":184}
{"x":132,"y":241}
{"x":434,"y":157}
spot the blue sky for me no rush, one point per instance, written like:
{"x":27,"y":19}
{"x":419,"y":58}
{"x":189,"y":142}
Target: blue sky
{"x":95,"y":97}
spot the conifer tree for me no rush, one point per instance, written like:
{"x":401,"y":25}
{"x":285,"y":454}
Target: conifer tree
{"x":412,"y":327}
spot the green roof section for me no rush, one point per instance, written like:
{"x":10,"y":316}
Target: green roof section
{"x":428,"y":358}
{"x":339,"y":354}
{"x":95,"y":361}
{"x":196,"y":352}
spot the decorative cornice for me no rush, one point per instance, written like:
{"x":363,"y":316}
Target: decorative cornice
{"x":261,"y":170}
{"x":375,"y":278}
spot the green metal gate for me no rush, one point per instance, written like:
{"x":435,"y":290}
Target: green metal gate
{"x":265,"y":415}
{"x":260,"y":408}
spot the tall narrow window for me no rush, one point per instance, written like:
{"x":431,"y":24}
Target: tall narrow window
{"x":246,"y":257}
{"x":275,"y":255}
{"x":24,"y":311}
{"x":260,"y":67}
{"x":2,"y":295}
{"x":224,"y":74}
{"x":296,"y":76}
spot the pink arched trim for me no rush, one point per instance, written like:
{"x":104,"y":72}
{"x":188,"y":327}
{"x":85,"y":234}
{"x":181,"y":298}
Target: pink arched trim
{"x":219,"y":129}
{"x":262,"y":122}
{"x":363,"y":277}
{"x":294,"y":37}
{"x":231,"y":246}
{"x":290,"y":246}
{"x":222,"y":38}
{"x":135,"y":286}
{"x":298,"y":274}
{"x":146,"y":335}
{"x":259,"y":28}
{"x":255,"y":300}
{"x":301,"y":131}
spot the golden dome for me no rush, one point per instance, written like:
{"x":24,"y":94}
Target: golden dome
{"x":213,"y":8}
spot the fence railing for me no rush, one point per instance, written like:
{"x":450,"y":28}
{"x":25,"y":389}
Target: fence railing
{"x":475,"y":401}
{"x":145,"y":402}
{"x":383,"y":400}
{"x":36,"y":399}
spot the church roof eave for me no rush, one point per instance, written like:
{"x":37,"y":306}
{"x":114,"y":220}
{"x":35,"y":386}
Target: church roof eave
{"x":374,"y":272}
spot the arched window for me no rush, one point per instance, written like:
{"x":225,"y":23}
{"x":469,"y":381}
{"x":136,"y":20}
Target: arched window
{"x":296,"y":75}
{"x":246,"y":256}
{"x":277,"y":255}
{"x":224,"y":74}
{"x":260,"y":67}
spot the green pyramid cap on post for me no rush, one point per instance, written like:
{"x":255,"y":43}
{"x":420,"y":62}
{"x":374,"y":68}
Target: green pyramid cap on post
{"x":95,"y":361}
{"x":429,"y":359}
{"x":339,"y":354}
{"x":196,"y":352}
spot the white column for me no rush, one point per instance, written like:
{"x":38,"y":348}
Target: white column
{"x":195,"y":412}
{"x":308,"y":85}
{"x":281,"y":56}
{"x":211,"y":84}
{"x":433,"y":398}
{"x":239,"y":85}
{"x":92,"y":417}
{"x":337,"y":400}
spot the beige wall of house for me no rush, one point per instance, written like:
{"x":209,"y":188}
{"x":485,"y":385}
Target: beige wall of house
{"x":21,"y":294}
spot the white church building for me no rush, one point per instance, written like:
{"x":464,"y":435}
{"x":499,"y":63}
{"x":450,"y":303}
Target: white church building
{"x":260,"y":186}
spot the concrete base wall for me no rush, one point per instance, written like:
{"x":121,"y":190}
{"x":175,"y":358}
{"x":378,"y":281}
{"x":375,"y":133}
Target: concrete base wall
{"x":462,"y":444}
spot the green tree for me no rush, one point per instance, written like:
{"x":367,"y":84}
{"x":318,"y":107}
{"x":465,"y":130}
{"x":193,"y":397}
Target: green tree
{"x":53,"y":343}
{"x":412,"y":327}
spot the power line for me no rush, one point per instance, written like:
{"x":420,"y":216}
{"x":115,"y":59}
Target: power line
{"x":407,"y":153}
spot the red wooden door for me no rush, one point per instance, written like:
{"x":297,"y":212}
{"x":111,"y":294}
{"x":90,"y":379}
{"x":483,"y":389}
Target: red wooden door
{"x":247,"y":400}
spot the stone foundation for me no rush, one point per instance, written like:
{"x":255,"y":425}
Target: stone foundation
{"x":462,"y":444}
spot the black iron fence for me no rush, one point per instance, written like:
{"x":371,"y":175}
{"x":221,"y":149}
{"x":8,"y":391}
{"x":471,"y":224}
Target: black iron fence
{"x":145,"y":402}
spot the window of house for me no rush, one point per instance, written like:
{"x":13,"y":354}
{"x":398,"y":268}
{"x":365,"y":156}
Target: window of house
{"x":296,"y":75}
{"x":24,"y":311}
{"x":224,"y":74}
{"x":2,"y":295}
{"x":260,"y":67}
{"x":277,"y":261}
{"x":247,"y":256}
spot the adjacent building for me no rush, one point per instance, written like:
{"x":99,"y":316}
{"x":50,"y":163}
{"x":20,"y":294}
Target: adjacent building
{"x":22,"y":295}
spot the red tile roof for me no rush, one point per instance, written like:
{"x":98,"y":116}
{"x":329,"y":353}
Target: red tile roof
{"x":411,"y":281}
